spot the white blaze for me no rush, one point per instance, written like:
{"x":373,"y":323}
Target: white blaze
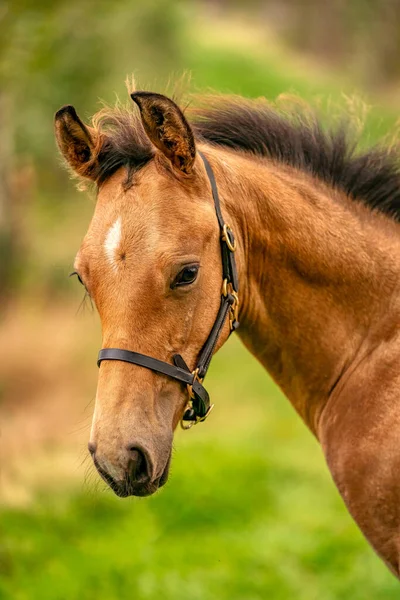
{"x":113,"y":239}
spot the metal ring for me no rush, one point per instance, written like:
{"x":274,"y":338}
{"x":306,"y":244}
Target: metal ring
{"x":189,"y":424}
{"x":225,"y":236}
{"x":185,"y":425}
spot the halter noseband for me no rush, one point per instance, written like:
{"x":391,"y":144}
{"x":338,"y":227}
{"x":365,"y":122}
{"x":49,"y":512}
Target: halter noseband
{"x":198,"y":406}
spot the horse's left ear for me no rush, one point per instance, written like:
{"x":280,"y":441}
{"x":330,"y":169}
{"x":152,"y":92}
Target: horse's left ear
{"x":167,"y":129}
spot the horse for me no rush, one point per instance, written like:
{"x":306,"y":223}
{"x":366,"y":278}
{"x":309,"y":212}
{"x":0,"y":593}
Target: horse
{"x":313,"y":224}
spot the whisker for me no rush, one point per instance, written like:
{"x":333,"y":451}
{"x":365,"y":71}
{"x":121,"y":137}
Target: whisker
{"x":81,"y":305}
{"x":91,"y":480}
{"x":84,"y":304}
{"x":84,"y":460}
{"x":82,"y":425}
{"x":91,"y":401}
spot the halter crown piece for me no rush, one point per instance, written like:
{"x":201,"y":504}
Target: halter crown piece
{"x":198,"y":406}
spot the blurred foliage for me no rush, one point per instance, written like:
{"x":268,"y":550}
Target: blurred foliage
{"x":55,"y":50}
{"x":361,"y":37}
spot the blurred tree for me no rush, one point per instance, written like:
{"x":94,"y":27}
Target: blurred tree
{"x":362,"y":37}
{"x":8,"y":243}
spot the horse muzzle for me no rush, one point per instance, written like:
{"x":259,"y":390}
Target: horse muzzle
{"x":136,"y":477}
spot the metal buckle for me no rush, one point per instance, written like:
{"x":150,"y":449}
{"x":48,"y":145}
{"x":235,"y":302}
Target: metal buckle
{"x":225,"y":236}
{"x":196,"y":377}
{"x":188,"y":424}
{"x":234,"y":312}
{"x":227,"y":288}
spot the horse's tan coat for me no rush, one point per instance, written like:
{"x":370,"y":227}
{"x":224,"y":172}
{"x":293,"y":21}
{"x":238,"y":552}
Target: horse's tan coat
{"x":320,"y":306}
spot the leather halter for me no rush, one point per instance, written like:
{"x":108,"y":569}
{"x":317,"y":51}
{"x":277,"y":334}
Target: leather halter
{"x":198,"y":406}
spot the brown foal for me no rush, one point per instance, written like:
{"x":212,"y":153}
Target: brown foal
{"x":319,"y":269}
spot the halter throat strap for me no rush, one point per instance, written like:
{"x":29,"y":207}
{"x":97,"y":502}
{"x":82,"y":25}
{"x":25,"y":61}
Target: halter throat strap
{"x":198,"y":406}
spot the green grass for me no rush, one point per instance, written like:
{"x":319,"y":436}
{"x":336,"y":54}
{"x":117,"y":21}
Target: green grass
{"x":249,"y":513}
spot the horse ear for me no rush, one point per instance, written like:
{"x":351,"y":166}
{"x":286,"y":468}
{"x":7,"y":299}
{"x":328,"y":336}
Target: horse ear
{"x":78,"y":143}
{"x":167,"y":129}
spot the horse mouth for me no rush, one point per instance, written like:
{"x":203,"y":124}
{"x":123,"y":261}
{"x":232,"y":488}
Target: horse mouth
{"x":124,"y":488}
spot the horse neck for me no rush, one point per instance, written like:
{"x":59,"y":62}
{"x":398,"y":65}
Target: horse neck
{"x":317,"y":276}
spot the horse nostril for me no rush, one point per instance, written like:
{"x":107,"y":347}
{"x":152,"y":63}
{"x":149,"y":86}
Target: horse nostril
{"x":92,"y":448}
{"x":137,"y":464}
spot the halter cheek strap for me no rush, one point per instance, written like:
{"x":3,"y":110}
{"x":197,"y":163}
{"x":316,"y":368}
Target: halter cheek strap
{"x":198,"y":406}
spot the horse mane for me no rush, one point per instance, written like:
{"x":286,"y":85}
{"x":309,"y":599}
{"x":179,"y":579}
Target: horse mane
{"x":294,"y":137}
{"x":298,"y":138}
{"x":126,"y":142}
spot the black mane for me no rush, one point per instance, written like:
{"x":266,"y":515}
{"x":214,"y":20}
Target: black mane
{"x":296,"y":138}
{"x":300,"y":140}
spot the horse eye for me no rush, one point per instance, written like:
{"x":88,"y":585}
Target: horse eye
{"x":187,"y":276}
{"x":78,"y":276}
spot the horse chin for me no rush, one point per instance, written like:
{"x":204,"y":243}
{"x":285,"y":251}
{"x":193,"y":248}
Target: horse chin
{"x":138,"y":490}
{"x":123,"y":489}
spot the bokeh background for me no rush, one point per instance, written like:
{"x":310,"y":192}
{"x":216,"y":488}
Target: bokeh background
{"x":250,"y":511}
